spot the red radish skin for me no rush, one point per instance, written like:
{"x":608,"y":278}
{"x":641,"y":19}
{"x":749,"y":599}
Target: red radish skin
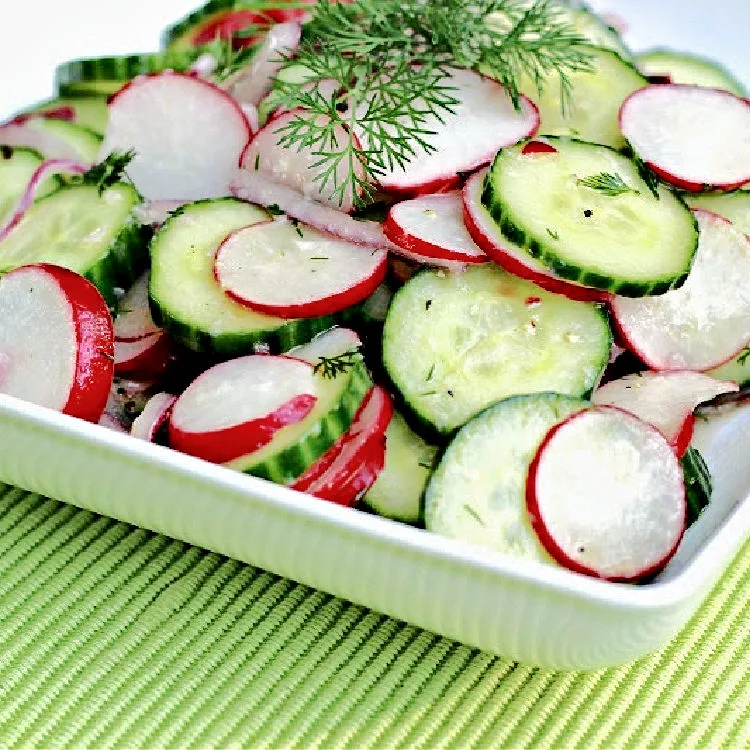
{"x":547,"y":538}
{"x":236,"y":407}
{"x":483,"y":230}
{"x":228,"y":24}
{"x":408,"y":225}
{"x":91,"y":325}
{"x":538,"y":147}
{"x":258,"y":268}
{"x":55,"y":113}
{"x":187,"y":135}
{"x":351,"y":466}
{"x":145,"y":358}
{"x":698,"y":157}
{"x":253,"y":435}
{"x":154,"y":417}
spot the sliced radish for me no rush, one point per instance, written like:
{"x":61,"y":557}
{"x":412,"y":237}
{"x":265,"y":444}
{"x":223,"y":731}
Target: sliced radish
{"x":61,"y":112}
{"x":292,"y":270}
{"x":297,"y":168}
{"x":665,"y":400}
{"x":154,"y":417}
{"x":350,"y":467}
{"x":41,"y":174}
{"x":134,"y":319}
{"x":433,"y":227}
{"x":256,"y":187}
{"x":236,"y":407}
{"x":30,"y":133}
{"x":145,"y":358}
{"x":691,"y":136}
{"x":56,"y":341}
{"x":705,"y":322}
{"x":605,"y":495}
{"x":187,"y":135}
{"x":253,"y":82}
{"x":483,"y":122}
{"x":228,"y":24}
{"x":485,"y":232}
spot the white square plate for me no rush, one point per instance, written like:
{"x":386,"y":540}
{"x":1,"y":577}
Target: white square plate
{"x":532,"y":613}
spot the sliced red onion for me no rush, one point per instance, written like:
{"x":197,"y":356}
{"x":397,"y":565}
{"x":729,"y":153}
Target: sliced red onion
{"x":256,"y":188}
{"x":43,"y":171}
{"x":255,"y":80}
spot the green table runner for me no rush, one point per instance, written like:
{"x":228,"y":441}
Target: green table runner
{"x":112,"y":636}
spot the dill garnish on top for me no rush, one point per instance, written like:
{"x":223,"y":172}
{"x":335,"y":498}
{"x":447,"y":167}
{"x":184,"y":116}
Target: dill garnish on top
{"x":390,"y":61}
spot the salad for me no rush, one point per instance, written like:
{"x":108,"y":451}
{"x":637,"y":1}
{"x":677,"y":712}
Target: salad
{"x":477,"y":284}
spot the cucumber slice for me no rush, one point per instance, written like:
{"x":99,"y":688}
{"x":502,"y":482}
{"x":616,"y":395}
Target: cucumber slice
{"x":682,"y":67}
{"x":733,"y":206}
{"x":89,"y":232}
{"x":189,"y":303}
{"x":585,"y":211}
{"x":399,"y":489}
{"x":455,"y":343}
{"x":478,"y":491}
{"x":17,"y":166}
{"x":295,"y":448}
{"x":591,"y":110}
{"x":88,"y":111}
{"x":83,"y":141}
{"x":595,"y":31}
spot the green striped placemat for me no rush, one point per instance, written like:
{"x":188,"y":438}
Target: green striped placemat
{"x":111,"y":636}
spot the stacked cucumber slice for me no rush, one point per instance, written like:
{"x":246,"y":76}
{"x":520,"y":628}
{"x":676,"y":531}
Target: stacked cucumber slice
{"x":439,"y":338}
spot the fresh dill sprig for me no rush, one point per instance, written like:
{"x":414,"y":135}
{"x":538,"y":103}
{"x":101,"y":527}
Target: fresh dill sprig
{"x":389,"y":61}
{"x":743,"y":356}
{"x":332,"y":367}
{"x":609,"y":184}
{"x":106,"y":173}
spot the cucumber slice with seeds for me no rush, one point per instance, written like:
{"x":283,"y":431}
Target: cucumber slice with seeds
{"x":188,"y":302}
{"x":455,"y":343}
{"x":84,"y":230}
{"x":477,"y":493}
{"x":585,"y":211}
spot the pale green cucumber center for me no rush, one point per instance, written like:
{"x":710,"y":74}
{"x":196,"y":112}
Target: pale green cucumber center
{"x":74,"y":227}
{"x":631,"y":236}
{"x":591,"y":110}
{"x":15,"y":173}
{"x":454,"y":344}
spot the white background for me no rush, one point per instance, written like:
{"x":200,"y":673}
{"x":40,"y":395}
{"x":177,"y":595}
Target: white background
{"x":35,"y":36}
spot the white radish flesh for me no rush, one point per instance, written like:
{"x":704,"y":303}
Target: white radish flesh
{"x":56,"y":341}
{"x":433,"y":227}
{"x":689,"y":135}
{"x":241,"y":390}
{"x":30,"y":134}
{"x":134,"y":319}
{"x":665,"y":400}
{"x":187,"y":135}
{"x":154,"y":416}
{"x":706,"y":321}
{"x":292,"y":270}
{"x":297,"y":168}
{"x":255,"y":81}
{"x":483,"y":122}
{"x":605,"y":495}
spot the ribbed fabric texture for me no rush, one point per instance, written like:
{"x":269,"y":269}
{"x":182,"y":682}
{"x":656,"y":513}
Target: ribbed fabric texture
{"x":111,"y":636}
